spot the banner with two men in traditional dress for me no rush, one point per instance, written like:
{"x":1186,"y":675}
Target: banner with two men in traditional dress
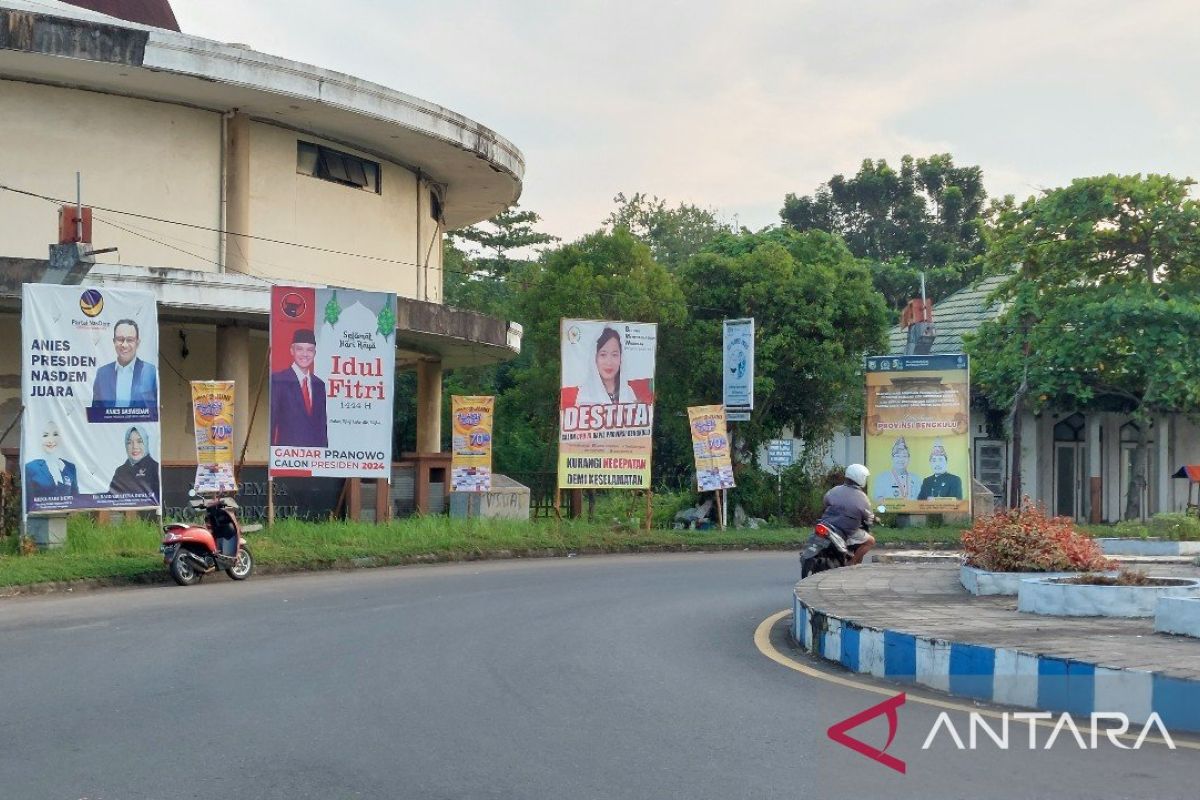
{"x":918,"y":433}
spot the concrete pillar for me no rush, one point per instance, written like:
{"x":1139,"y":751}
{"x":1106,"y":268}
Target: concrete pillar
{"x":1162,"y":448}
{"x":1030,"y":439}
{"x":429,"y":406}
{"x":233,"y":364}
{"x":48,"y":533}
{"x":1095,"y":488}
{"x":237,"y":193}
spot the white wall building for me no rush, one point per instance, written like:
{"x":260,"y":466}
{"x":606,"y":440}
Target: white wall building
{"x":217,"y":170}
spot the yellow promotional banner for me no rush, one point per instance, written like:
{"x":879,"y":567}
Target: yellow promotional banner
{"x":471,"y":444}
{"x":606,"y":404}
{"x":918,"y":433}
{"x":212,"y":410}
{"x":710,"y":445}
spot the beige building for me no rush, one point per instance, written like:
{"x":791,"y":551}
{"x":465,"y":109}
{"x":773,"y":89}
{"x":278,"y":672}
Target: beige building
{"x":216,"y":171}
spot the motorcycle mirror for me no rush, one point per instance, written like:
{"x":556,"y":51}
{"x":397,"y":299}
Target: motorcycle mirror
{"x":191,"y":492}
{"x":881,"y":509}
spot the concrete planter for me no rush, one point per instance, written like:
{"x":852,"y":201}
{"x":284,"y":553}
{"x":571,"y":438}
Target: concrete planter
{"x":1179,"y":615}
{"x":1056,"y":597}
{"x":981,"y":582}
{"x":1148,"y":547}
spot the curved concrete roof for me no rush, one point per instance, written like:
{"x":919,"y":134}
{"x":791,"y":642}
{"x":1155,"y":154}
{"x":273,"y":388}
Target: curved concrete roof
{"x":45,"y":41}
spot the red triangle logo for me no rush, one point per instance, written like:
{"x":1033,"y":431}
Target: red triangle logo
{"x":837,"y":732}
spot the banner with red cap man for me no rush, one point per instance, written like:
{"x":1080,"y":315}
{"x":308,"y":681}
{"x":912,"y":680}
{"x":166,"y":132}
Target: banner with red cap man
{"x":332,"y":364}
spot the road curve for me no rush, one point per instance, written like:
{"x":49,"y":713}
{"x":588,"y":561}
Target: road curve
{"x":605,"y":677}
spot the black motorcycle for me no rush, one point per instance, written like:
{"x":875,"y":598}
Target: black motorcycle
{"x":826,"y":549}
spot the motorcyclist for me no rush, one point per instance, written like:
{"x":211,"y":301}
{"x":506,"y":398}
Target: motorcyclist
{"x":848,"y":509}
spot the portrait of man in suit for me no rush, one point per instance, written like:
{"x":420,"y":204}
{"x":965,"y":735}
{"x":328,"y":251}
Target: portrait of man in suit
{"x":128,"y":382}
{"x":298,"y":398}
{"x":941,"y":483}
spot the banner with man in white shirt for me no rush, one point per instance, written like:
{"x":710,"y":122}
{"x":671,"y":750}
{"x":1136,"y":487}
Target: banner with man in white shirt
{"x":333,"y":360}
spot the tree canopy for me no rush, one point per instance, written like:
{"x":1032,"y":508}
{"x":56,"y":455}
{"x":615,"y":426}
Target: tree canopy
{"x":672,"y":234}
{"x":1103,"y":306}
{"x":509,"y":231}
{"x":926,"y":216}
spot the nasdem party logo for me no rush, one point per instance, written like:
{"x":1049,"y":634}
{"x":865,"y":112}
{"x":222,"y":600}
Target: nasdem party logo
{"x":91,"y":302}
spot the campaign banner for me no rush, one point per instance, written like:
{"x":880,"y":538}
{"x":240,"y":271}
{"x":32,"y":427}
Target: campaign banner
{"x":333,"y":363}
{"x":471,"y":443}
{"x":89,"y":383}
{"x":918,"y":433}
{"x":212,"y":415}
{"x":710,"y":445}
{"x":606,"y":404}
{"x":738,"y":366}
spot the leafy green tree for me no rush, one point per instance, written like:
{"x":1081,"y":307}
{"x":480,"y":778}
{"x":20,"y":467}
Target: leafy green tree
{"x":673,"y":234}
{"x":816,"y":314}
{"x":1102,"y":310}
{"x":501,"y":236}
{"x":926,"y":216}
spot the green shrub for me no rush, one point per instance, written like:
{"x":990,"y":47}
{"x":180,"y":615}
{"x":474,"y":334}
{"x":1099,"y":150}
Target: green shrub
{"x":668,"y":503}
{"x":1175,"y":526}
{"x":796,"y":500}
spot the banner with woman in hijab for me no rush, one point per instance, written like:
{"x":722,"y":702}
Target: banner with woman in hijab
{"x":89,"y":382}
{"x":606,"y":404}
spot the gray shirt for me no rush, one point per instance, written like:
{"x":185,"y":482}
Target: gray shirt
{"x":847,"y":509}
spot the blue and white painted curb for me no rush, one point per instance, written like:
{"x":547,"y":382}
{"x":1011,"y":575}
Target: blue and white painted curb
{"x":998,"y":675}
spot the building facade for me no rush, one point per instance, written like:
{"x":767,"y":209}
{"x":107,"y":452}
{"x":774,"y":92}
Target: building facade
{"x":1078,"y":463}
{"x":214,"y":171}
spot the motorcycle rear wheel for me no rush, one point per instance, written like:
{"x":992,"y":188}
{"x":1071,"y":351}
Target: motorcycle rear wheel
{"x":182,"y":571}
{"x":243,"y":566}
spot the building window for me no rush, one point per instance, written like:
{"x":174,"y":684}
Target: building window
{"x":328,"y":164}
{"x":435,"y":206}
{"x":1070,"y":429}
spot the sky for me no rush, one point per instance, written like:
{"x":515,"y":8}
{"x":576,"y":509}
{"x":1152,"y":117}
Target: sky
{"x":731,"y":105}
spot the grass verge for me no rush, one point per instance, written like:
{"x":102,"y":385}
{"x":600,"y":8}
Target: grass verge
{"x":128,"y":552}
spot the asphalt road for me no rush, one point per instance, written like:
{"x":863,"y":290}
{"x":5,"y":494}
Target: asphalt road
{"x":615,"y":677}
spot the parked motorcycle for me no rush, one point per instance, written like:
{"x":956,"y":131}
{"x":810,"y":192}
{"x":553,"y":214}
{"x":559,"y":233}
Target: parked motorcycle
{"x":192,"y":551}
{"x":826,"y":549}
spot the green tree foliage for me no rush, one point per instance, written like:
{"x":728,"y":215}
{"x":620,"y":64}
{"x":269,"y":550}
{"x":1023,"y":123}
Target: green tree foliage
{"x":1103,"y":307}
{"x":509,"y":231}
{"x":816,"y":315}
{"x":673,"y":234}
{"x":928,"y":215}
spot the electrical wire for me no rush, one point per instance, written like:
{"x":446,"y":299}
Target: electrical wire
{"x":474,"y":275}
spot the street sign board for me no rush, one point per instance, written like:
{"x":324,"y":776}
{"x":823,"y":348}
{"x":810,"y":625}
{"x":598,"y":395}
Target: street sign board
{"x":780,"y":453}
{"x":738,"y":365}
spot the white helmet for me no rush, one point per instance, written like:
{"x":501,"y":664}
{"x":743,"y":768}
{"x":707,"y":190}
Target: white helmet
{"x":858,"y":474}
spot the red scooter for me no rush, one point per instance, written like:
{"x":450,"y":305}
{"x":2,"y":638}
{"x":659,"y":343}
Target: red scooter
{"x":192,"y":551}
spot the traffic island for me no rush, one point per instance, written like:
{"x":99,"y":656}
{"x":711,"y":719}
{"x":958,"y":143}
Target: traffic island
{"x":916,"y":624}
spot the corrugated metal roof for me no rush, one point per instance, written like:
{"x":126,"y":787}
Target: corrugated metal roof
{"x":961,"y":312}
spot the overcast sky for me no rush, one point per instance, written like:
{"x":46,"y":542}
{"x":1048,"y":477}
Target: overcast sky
{"x":731,"y":105}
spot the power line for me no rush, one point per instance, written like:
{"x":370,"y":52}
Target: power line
{"x":474,"y":275}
